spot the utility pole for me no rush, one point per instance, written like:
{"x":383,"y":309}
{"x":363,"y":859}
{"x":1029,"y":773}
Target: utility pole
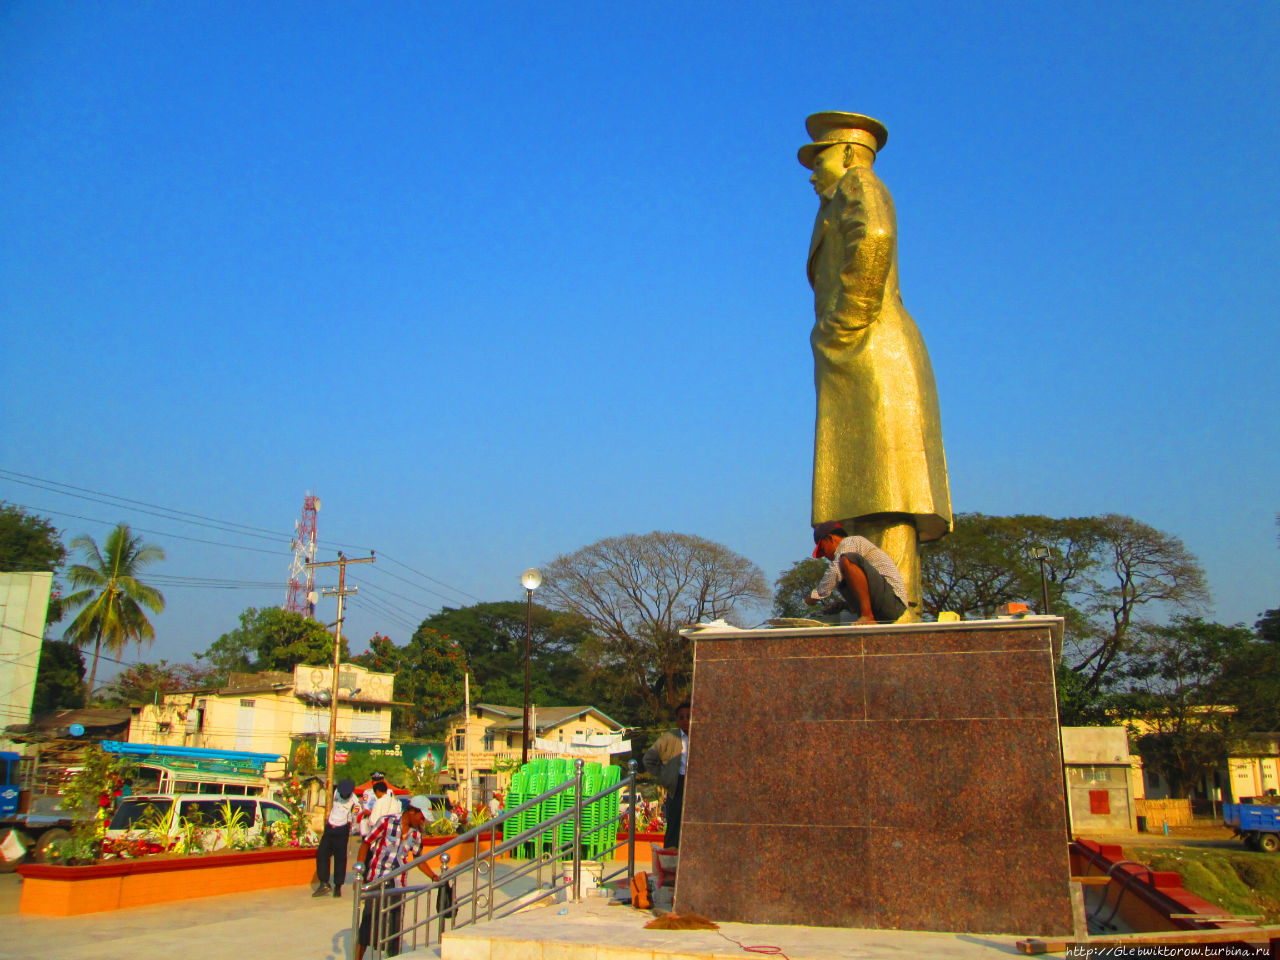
{"x":466,"y":736}
{"x":340,"y":593}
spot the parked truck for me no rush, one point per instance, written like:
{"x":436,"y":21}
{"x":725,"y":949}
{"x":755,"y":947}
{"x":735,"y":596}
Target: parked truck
{"x":1258,"y":825}
{"x":31,"y":803}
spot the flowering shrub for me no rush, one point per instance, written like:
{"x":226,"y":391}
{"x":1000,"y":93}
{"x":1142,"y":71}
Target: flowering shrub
{"x":296,"y":831}
{"x":130,"y":848}
{"x":79,"y":848}
{"x":648,"y":817}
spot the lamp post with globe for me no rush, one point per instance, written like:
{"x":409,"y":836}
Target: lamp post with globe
{"x":531,"y":579}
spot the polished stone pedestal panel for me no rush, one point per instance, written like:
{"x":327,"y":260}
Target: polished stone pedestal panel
{"x":905,"y":776}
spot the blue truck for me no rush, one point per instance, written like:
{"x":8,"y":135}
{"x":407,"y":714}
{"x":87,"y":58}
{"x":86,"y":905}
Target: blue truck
{"x":1256,"y":824}
{"x":39,"y":821}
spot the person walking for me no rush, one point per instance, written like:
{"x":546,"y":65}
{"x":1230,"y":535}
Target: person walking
{"x":333,"y":842}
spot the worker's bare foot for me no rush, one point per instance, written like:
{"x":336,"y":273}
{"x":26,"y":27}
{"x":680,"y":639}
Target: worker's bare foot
{"x":866,"y":620}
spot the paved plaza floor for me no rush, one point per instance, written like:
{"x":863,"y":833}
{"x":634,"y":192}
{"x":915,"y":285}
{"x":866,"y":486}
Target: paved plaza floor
{"x":288,"y":924}
{"x":281,"y":924}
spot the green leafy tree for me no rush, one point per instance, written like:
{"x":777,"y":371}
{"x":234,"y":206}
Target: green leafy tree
{"x":269,"y":639}
{"x":1079,"y":704}
{"x":1250,"y":680}
{"x":29,"y":544}
{"x":88,"y":793}
{"x":59,"y":679}
{"x":304,"y":760}
{"x":790,"y":589}
{"x":111,"y":595}
{"x":986,"y":562}
{"x":148,"y":682}
{"x":429,"y":677}
{"x":492,"y":636}
{"x":1268,"y":626}
{"x":1172,"y":679}
{"x":233,"y":652}
{"x":638,"y":591}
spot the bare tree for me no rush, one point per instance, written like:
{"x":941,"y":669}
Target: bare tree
{"x":639,"y":590}
{"x":1101,"y":572}
{"x":1134,"y":565}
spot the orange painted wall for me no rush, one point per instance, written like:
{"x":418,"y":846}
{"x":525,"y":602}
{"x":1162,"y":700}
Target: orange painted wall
{"x":51,"y":896}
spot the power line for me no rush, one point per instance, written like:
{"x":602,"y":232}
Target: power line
{"x":418,"y":586}
{"x":382,"y":589}
{"x":378,"y":608}
{"x":166,"y":513}
{"x":27,"y":478}
{"x":160,"y":533}
{"x":224,"y":526}
{"x":431,"y":578}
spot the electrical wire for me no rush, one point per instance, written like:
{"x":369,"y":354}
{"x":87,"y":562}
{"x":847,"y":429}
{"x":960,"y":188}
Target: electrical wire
{"x":225,"y":526}
{"x":36,"y":481}
{"x":159,"y":533}
{"x":381,"y":590}
{"x":766,"y":949}
{"x":399,"y":563}
{"x":376,"y":606}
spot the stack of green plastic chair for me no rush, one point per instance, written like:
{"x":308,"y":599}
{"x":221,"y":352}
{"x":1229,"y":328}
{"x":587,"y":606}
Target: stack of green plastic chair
{"x":592,"y":783}
{"x":517,"y":793}
{"x":542,"y":774}
{"x":555,"y":777}
{"x":601,"y":812}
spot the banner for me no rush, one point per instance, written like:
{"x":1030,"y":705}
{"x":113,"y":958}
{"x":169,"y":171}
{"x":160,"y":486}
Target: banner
{"x":410,"y":754}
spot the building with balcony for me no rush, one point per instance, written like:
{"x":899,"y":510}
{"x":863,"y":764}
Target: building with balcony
{"x":490,"y":741}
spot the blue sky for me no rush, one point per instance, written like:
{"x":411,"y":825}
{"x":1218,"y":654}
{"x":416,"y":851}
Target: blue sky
{"x":497,"y":281}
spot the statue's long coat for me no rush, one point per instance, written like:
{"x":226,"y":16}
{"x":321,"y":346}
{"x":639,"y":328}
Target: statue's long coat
{"x":878,"y":443}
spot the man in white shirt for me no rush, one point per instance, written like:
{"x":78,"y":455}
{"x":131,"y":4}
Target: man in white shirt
{"x":385,"y":803}
{"x":333,"y":843}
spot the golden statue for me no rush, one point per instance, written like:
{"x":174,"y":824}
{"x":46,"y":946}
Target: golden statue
{"x":878,"y":463}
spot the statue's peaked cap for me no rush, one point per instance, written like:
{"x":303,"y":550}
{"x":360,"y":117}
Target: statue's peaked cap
{"x":832,"y":126}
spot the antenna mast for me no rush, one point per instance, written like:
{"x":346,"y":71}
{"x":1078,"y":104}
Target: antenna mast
{"x":301,"y":598}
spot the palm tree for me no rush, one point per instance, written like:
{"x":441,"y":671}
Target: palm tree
{"x":112,"y":595}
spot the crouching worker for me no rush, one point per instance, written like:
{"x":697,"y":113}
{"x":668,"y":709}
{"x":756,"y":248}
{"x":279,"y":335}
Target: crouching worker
{"x":868,"y":582}
{"x":394,"y":842}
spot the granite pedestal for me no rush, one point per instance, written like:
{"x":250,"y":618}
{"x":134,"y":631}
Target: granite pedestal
{"x":904,"y":776}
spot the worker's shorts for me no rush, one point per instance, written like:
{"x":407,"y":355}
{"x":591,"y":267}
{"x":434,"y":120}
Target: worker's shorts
{"x":885,"y":605}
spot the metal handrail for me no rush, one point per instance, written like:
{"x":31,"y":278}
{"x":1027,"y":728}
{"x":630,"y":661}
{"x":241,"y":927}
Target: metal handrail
{"x":392,"y":902}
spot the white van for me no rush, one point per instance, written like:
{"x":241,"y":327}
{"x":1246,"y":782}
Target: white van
{"x":171,"y":814}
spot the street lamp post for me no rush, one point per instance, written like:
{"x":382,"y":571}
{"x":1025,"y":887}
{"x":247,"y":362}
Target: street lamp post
{"x":1042,"y":554}
{"x":531,"y":579}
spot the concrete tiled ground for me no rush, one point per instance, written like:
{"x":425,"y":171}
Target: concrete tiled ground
{"x":283,"y":924}
{"x":593,"y":930}
{"x":288,"y":924}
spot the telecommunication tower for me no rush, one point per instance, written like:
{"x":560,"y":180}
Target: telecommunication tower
{"x":301,"y":595}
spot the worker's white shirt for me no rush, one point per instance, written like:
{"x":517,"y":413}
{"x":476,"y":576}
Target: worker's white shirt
{"x":384,"y":806}
{"x":344,"y":811}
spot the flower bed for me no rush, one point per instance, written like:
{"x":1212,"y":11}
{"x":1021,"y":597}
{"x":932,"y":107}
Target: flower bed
{"x":118,"y":884}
